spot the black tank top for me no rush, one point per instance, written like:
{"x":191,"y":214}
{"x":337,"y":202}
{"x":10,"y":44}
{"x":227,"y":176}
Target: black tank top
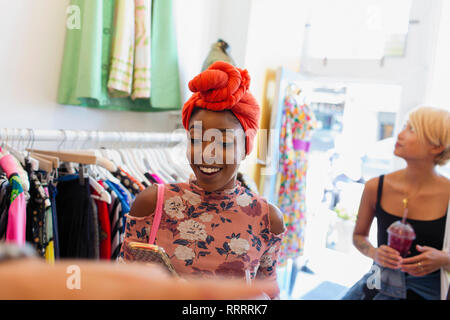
{"x":428,"y":233}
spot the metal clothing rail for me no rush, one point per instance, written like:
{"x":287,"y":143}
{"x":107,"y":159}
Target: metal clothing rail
{"x":96,"y":139}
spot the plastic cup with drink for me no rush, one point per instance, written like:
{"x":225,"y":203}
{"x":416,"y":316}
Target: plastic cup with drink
{"x":401,"y":235}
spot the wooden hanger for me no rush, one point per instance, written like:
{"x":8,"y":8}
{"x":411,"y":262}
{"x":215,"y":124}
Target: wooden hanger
{"x":53,"y":160}
{"x":44,"y":164}
{"x":82,"y":158}
{"x":78,"y":157}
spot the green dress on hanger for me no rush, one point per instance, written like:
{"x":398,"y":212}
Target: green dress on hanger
{"x":86,"y":61}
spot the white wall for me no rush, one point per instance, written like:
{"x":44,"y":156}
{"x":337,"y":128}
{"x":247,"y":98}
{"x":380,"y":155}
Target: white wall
{"x":200,"y":23}
{"x":262,"y":34}
{"x":439,"y":80}
{"x":275,"y":38}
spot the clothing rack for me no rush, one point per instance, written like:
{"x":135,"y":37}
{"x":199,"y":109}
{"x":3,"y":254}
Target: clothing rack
{"x":94,"y":139}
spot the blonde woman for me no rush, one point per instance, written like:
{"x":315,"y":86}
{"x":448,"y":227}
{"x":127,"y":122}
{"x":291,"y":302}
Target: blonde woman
{"x":423,"y":143}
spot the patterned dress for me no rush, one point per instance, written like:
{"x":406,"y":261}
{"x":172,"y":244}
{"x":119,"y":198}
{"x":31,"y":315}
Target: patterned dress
{"x":221,"y":233}
{"x":297,"y":124}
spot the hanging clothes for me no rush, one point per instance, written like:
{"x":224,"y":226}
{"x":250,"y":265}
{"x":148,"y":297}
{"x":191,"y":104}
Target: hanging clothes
{"x":5,"y":196}
{"x":142,"y":54}
{"x":154,"y":178}
{"x":129,"y":182}
{"x":16,"y":226}
{"x":52,"y":195}
{"x":37,"y":214}
{"x":298,"y":122}
{"x":165,"y":89}
{"x":96,"y":239}
{"x":62,"y":219}
{"x":87,"y":56}
{"x":122,"y":55}
{"x":48,"y":226}
{"x":75,"y":219}
{"x":105,"y":227}
{"x":115,"y":215}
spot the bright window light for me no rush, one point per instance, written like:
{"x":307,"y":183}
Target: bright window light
{"x":358,"y":29}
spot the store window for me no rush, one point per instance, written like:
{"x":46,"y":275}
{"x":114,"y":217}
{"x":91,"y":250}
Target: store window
{"x":357,"y":29}
{"x":386,"y":123}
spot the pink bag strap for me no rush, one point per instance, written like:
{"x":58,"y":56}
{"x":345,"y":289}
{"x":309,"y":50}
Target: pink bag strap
{"x":158,"y":214}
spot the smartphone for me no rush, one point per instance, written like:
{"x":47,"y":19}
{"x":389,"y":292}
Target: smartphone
{"x":150,"y":253}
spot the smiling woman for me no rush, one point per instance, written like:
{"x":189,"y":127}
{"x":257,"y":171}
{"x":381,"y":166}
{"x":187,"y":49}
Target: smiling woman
{"x":217,"y":161}
{"x":213,"y":225}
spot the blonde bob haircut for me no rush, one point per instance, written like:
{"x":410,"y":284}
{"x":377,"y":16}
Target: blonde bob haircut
{"x":433,"y":125}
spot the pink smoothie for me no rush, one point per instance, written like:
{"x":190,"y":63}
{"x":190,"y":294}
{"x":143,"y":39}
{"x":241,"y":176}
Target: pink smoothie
{"x":401,"y":236}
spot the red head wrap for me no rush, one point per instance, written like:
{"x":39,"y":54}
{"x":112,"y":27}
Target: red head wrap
{"x":225,"y":87}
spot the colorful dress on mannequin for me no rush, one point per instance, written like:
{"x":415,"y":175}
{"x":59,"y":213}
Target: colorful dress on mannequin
{"x":298,"y":122}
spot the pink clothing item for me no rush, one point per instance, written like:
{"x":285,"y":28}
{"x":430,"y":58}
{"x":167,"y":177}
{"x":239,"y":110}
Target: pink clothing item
{"x":221,"y":233}
{"x":8,"y":165}
{"x":157,"y":178}
{"x":17,"y":215}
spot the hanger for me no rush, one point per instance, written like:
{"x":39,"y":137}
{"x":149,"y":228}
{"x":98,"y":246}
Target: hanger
{"x":44,"y":164}
{"x":183,"y":173}
{"x":146,"y":167}
{"x":117,"y":158}
{"x":34,"y":162}
{"x":126,"y":163}
{"x":15,"y":153}
{"x":175,"y":165}
{"x":184,"y":170}
{"x":165,"y":164}
{"x":160,"y":169}
{"x":103,"y":194}
{"x":137,"y":158}
{"x":145,"y":159}
{"x":134,"y":164}
{"x":104,"y":153}
{"x":99,"y":171}
{"x":105,"y":174}
{"x":77,"y":157}
{"x":52,"y":159}
{"x":130,"y":166}
{"x":115,"y":154}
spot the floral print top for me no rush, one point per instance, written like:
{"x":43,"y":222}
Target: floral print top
{"x":220,"y":233}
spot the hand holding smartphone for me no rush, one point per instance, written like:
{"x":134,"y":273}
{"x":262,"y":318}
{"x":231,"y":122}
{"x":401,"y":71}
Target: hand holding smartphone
{"x":149,"y":253}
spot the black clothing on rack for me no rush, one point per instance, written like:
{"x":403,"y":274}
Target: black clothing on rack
{"x":75,"y":219}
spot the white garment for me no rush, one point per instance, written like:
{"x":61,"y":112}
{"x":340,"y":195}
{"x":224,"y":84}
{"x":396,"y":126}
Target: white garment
{"x":122,"y":55}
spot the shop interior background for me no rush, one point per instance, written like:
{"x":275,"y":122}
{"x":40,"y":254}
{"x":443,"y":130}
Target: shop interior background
{"x":365,"y":64}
